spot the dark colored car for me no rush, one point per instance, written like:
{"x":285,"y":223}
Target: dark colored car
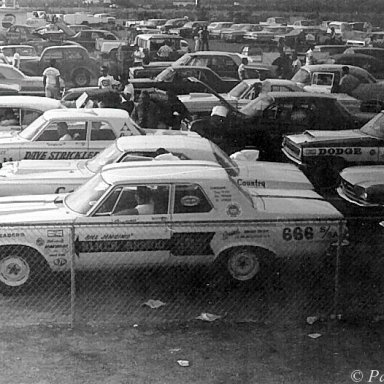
{"x":369,"y":63}
{"x":74,"y":63}
{"x":263,"y":122}
{"x":87,"y":38}
{"x":323,"y":154}
{"x":223,"y":63}
{"x":176,"y":78}
{"x":189,"y":29}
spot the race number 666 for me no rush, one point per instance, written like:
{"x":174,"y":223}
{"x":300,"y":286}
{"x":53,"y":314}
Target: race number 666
{"x":297,"y":233}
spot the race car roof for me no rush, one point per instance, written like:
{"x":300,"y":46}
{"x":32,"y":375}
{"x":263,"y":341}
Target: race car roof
{"x":82,"y":113}
{"x":188,"y":171}
{"x":169,"y":142}
{"x":38,"y":102}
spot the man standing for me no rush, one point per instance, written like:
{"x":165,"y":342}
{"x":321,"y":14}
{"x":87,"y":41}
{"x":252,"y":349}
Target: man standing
{"x":242,"y":71}
{"x":348,"y":82}
{"x":106,"y":81}
{"x":138,"y":56}
{"x":204,"y":37}
{"x":51,"y":81}
{"x":165,"y":51}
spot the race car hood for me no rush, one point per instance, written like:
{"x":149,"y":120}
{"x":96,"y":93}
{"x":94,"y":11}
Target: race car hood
{"x":364,"y":176}
{"x":328,"y":136}
{"x":294,"y":204}
{"x":48,"y":182}
{"x":23,"y":167}
{"x":38,"y":209}
{"x":262,"y":174}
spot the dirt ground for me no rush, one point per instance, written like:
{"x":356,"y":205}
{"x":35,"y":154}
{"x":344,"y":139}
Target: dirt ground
{"x":217,"y":352}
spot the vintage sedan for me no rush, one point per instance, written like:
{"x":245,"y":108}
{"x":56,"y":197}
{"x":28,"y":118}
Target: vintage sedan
{"x":53,"y":176}
{"x":263,"y":122}
{"x":363,"y":185}
{"x":201,"y":104}
{"x":225,"y":64}
{"x":90,"y":131}
{"x":193,"y":214}
{"x":323,"y":78}
{"x":322,"y":154}
{"x":29,"y":85}
{"x":25,"y":110}
{"x":176,"y":78}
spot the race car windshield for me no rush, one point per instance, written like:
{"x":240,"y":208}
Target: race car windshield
{"x":375,"y":127}
{"x":184,"y":60}
{"x":257,"y":106}
{"x":238,"y":90}
{"x":87,"y":195}
{"x":166,"y":75}
{"x":107,"y":156}
{"x":302,"y":76}
{"x":33,"y":129}
{"x":225,"y":161}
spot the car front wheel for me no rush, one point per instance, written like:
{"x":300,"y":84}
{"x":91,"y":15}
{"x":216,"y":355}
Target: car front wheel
{"x":19,"y":267}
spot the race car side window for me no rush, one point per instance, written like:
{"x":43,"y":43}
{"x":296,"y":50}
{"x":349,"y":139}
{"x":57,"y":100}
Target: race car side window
{"x":190,"y":198}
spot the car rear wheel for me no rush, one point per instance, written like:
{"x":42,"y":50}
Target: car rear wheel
{"x":19,"y":268}
{"x":81,"y":78}
{"x":244,"y":263}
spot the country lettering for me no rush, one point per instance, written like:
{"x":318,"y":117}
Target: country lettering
{"x":251,"y":183}
{"x":339,"y":151}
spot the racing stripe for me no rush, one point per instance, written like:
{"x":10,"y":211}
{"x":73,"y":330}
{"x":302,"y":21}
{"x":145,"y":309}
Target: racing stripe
{"x":180,"y":244}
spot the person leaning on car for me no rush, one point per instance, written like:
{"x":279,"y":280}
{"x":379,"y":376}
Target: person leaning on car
{"x":348,"y":82}
{"x":51,"y":81}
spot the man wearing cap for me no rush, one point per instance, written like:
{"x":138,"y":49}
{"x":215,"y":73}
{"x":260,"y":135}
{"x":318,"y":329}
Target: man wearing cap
{"x":128,"y":95}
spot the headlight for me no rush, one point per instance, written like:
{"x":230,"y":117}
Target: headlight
{"x":360,"y":192}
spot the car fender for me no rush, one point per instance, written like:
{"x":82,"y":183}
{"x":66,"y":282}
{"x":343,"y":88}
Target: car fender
{"x":243,"y":243}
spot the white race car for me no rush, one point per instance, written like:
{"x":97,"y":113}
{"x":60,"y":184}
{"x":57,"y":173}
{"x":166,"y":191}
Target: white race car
{"x":27,"y":177}
{"x":166,"y":213}
{"x":88,"y":131}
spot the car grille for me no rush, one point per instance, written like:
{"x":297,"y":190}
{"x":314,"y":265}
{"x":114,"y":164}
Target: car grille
{"x":349,"y":190}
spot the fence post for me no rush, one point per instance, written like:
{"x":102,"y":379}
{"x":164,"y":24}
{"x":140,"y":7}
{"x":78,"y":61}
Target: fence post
{"x":337,"y":269}
{"x":73,"y":278}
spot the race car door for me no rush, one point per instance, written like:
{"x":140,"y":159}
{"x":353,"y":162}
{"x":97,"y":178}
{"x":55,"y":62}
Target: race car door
{"x":192,"y":225}
{"x":58,"y":140}
{"x":128,"y":227}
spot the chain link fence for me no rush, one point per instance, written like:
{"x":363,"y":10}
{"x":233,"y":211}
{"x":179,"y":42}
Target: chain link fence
{"x":98,"y":287}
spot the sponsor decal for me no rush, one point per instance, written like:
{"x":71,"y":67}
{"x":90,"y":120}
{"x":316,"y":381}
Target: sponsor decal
{"x":339,"y":151}
{"x":8,"y":20}
{"x":228,"y":234}
{"x":125,"y":131}
{"x":251,"y":183}
{"x":233,"y":210}
{"x":247,"y":234}
{"x":309,"y":152}
{"x":190,"y":201}
{"x":39,"y":242}
{"x":56,"y":246}
{"x":109,"y":237}
{"x":45,"y":155}
{"x":221,"y":194}
{"x":59,"y":262}
{"x":12,"y":234}
{"x":55,"y":233}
